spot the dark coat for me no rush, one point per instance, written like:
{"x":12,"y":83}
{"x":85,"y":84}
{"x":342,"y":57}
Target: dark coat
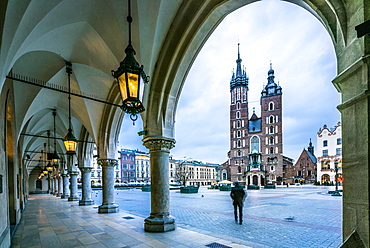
{"x":238,"y":195}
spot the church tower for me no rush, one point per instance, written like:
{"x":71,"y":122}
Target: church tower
{"x":238,"y":154}
{"x":272,"y":132}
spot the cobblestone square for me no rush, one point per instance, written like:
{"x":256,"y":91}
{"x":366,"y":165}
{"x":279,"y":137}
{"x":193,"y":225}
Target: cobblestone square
{"x":298,"y":216}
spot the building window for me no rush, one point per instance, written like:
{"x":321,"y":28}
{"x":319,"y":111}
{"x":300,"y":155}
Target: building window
{"x":325,"y":152}
{"x":271,"y":129}
{"x":271,"y":119}
{"x":99,"y":166}
{"x":255,"y":144}
{"x":239,"y":169}
{"x":271,"y":106}
{"x":272,"y":168}
{"x":271,"y":140}
{"x":238,"y":105}
{"x":239,"y":143}
{"x":117,"y":174}
{"x":98,"y":173}
{"x":237,"y":115}
{"x":325,"y":143}
{"x":239,"y":134}
{"x":271,"y":150}
{"x":92,"y":174}
{"x":339,"y":151}
{"x":339,"y":141}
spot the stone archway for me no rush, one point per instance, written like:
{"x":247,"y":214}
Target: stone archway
{"x":352,"y":81}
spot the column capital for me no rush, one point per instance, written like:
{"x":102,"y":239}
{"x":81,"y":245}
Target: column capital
{"x":85,"y":169}
{"x":73,"y":173}
{"x":107,"y":161}
{"x":159,"y":143}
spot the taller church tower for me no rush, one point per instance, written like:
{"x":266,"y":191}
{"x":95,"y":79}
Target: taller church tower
{"x":238,"y":155}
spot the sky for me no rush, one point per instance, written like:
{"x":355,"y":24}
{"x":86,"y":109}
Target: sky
{"x":304,"y":61}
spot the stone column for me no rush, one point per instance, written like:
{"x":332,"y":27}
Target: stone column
{"x":86,"y":187}
{"x":65,"y":185}
{"x":354,"y":84}
{"x":160,"y":219}
{"x":74,"y":188}
{"x":60,"y":186}
{"x":108,"y":204}
{"x":51,"y":183}
{"x":55,"y":191}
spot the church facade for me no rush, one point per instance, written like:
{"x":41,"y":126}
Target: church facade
{"x":256,"y":142}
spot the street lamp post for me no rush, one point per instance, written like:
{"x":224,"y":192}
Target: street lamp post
{"x":336,"y":192}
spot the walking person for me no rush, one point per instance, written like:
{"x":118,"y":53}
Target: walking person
{"x":238,"y":196}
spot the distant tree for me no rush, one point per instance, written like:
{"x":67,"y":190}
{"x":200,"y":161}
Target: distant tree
{"x":182,"y":173}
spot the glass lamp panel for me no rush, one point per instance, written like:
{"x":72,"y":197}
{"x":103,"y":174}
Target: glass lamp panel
{"x":70,"y":145}
{"x":133,"y":84}
{"x":122,"y":86}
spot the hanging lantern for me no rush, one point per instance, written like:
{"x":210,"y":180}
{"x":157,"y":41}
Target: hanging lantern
{"x":130,"y":77}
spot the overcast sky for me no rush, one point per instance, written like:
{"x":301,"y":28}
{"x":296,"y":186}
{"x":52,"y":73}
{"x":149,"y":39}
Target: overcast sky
{"x":304,"y":61}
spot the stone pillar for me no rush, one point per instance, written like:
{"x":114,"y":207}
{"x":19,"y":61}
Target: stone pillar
{"x":65,"y":185}
{"x":160,"y":219}
{"x":51,"y":183}
{"x":354,"y":84}
{"x":55,"y":191}
{"x":60,"y":186}
{"x":108,"y":204}
{"x":86,"y":187}
{"x":74,"y":188}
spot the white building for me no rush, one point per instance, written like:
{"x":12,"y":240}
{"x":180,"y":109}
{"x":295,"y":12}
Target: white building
{"x":194,"y":172}
{"x":142,"y":160}
{"x":329,"y":154}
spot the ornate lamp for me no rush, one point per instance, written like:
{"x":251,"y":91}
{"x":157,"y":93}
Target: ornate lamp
{"x":130,"y":75}
{"x":70,"y":142}
{"x":49,"y":166}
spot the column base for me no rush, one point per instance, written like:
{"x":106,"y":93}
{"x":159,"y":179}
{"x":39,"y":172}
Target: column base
{"x":159,"y":223}
{"x":71,"y":198}
{"x":86,"y":202}
{"x":110,"y":208}
{"x":64,"y":196}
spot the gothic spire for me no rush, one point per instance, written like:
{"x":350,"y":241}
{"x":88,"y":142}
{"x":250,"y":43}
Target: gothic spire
{"x":239,"y":78}
{"x":239,"y":64}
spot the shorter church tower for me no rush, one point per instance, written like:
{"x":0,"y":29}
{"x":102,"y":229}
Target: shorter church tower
{"x":272,"y":129}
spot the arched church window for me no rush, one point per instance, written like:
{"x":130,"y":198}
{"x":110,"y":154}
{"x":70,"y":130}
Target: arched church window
{"x":239,"y":134}
{"x":271,"y":140}
{"x":238,"y":105}
{"x":255,"y":144}
{"x":239,"y":143}
{"x":271,"y":129}
{"x":239,"y":153}
{"x":238,"y":124}
{"x":271,"y":106}
{"x":271,"y":119}
{"x":239,"y":169}
{"x":237,"y":115}
{"x":271,"y":150}
{"x":238,"y":94}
